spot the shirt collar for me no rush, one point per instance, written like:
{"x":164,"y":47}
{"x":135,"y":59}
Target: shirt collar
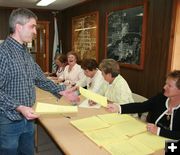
{"x":15,"y":43}
{"x":167,"y":104}
{"x":95,"y":75}
{"x":115,"y":80}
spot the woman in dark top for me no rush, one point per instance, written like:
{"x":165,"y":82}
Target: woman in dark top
{"x":163,"y":109}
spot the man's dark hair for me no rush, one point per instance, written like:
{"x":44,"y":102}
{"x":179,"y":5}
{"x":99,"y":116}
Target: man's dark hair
{"x":89,"y":64}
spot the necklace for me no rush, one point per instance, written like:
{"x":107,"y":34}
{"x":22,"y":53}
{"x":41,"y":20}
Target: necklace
{"x":168,"y":116}
{"x":60,"y":70}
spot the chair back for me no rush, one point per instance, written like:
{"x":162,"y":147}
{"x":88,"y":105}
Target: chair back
{"x":139,"y":98}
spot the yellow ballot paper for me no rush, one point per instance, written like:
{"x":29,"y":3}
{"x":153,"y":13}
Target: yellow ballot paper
{"x":89,"y":124}
{"x":105,"y":136}
{"x":130,"y":127}
{"x":127,"y":147}
{"x":152,"y":141}
{"x":115,"y":118}
{"x":94,"y":96}
{"x":52,"y":108}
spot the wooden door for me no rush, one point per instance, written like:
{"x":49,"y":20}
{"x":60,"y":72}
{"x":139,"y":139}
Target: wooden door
{"x":40,"y":45}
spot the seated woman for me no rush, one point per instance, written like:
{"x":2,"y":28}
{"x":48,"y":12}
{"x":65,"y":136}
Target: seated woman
{"x":72,"y":72}
{"x":93,"y":79}
{"x":117,"y":89}
{"x":61,"y":62}
{"x":163,"y":109}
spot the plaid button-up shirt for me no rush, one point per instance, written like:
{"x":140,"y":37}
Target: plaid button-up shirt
{"x":19,"y":75}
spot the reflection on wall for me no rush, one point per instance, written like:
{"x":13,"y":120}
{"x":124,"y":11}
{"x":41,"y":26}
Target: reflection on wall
{"x":176,"y":47}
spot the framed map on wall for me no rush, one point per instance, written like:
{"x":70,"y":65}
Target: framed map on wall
{"x":85,"y":35}
{"x":125,"y":35}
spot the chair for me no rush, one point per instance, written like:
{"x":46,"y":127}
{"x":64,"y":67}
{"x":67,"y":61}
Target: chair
{"x":139,"y":98}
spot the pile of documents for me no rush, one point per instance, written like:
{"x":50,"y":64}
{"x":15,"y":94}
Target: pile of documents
{"x":120,"y":134}
{"x":43,"y":108}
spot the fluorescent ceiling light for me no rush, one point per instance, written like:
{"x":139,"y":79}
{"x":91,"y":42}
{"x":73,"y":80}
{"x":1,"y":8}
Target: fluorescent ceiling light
{"x":45,"y":2}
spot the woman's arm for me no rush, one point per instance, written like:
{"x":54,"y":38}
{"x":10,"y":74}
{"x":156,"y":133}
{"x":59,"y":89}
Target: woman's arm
{"x":169,"y":134}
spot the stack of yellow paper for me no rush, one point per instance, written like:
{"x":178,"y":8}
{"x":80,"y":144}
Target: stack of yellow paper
{"x":120,"y":134}
{"x":115,"y":118}
{"x":128,"y":147}
{"x":130,"y":128}
{"x":152,"y":141}
{"x":141,"y":144}
{"x":52,"y":108}
{"x":94,"y":96}
{"x":90,"y":123}
{"x":105,"y":136}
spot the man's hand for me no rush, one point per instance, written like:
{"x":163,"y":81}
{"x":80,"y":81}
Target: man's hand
{"x":27,"y":112}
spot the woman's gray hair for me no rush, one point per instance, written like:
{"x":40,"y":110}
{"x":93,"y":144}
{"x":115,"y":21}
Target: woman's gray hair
{"x":20,"y":16}
{"x":110,"y":66}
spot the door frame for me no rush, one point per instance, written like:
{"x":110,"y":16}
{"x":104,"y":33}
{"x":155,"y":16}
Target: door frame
{"x":46,"y":25}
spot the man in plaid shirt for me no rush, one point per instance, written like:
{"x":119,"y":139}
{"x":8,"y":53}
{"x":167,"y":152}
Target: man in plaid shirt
{"x":19,"y":75}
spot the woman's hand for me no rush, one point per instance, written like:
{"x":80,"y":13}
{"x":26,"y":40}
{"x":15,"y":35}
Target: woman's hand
{"x":112,"y":107}
{"x":152,"y":128}
{"x":54,"y":78}
{"x":46,"y":73}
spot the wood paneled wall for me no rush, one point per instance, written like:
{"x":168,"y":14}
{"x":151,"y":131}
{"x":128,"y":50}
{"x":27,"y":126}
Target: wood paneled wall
{"x":146,"y":82}
{"x":43,"y":15}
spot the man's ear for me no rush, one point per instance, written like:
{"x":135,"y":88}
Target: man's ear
{"x":18,"y":27}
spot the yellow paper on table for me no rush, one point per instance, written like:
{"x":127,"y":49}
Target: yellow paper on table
{"x":105,"y":136}
{"x":130,"y":127}
{"x":89,"y":124}
{"x":152,"y":141}
{"x":94,"y":96}
{"x":52,"y":108}
{"x":127,"y":147}
{"x":115,"y":118}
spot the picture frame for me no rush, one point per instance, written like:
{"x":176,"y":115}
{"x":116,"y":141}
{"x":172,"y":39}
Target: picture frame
{"x":125,"y":35}
{"x":85,"y":35}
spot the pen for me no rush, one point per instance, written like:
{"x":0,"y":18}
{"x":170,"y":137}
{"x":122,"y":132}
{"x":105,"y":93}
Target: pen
{"x":66,"y":116}
{"x":57,"y":100}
